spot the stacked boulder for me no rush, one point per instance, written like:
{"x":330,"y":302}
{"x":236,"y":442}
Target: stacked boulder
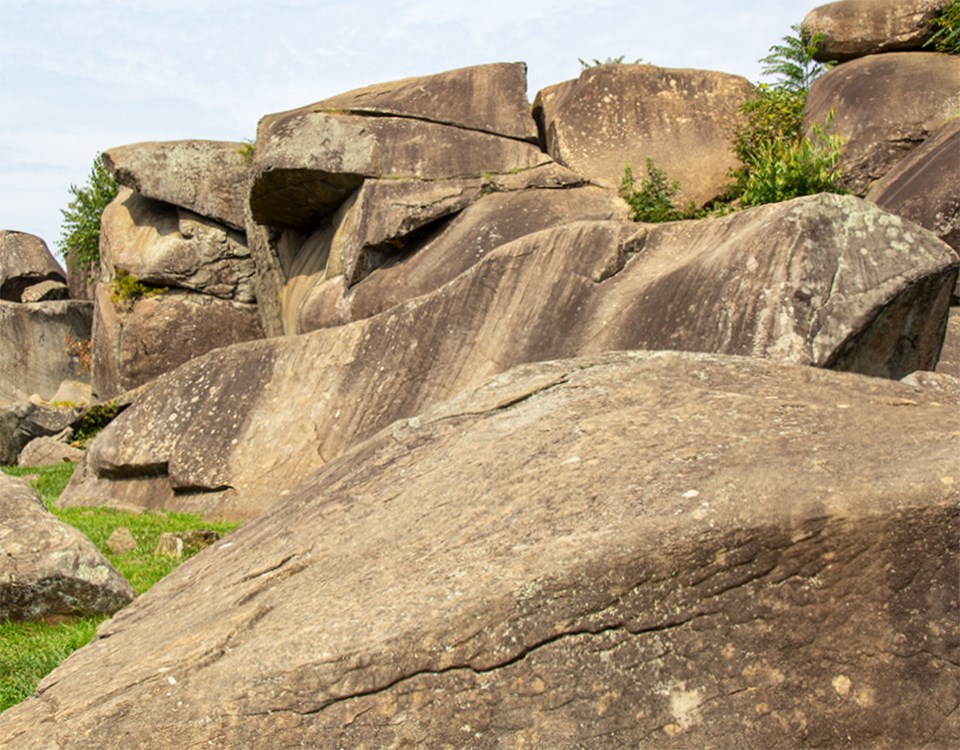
{"x":177,"y":279}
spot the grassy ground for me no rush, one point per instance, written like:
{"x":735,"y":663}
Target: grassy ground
{"x":28,"y":651}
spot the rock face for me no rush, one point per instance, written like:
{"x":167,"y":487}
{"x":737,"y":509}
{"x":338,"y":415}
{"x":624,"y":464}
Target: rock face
{"x":884,"y":106}
{"x":855,"y":28}
{"x":48,"y":568}
{"x":832,"y":281}
{"x":26,"y":262}
{"x":579,"y":554}
{"x":35,"y":346}
{"x":24,"y":422}
{"x":204,"y":273}
{"x":209,"y":178}
{"x":923,"y":187}
{"x":47,"y":451}
{"x":615,"y":115}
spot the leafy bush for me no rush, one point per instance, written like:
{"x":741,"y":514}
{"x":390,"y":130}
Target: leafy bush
{"x":80,"y":233}
{"x":126,"y":289}
{"x":946,"y":36}
{"x":792,"y":61}
{"x":595,"y":63}
{"x":653,"y":202}
{"x":93,"y":421}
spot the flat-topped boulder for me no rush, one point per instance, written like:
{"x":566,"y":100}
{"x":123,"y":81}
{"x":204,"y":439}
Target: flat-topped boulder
{"x":850,"y":29}
{"x":633,"y":550}
{"x":26,"y":262}
{"x":617,"y":115}
{"x":883,"y":106}
{"x":830,"y":281}
{"x":47,"y":568}
{"x":209,"y":178}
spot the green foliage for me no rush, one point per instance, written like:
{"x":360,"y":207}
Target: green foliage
{"x":946,"y":36}
{"x":29,"y":651}
{"x":80,"y":232}
{"x":126,"y":289}
{"x":595,"y":63}
{"x":653,"y":201}
{"x":792,"y":61}
{"x":246,"y":150}
{"x":93,"y":421}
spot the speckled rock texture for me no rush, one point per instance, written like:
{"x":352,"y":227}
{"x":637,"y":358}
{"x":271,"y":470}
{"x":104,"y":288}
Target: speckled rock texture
{"x":830,"y":281}
{"x":25,"y":262}
{"x":656,"y":550}
{"x":48,"y":568}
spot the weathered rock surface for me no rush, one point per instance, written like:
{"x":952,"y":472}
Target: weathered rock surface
{"x":47,"y":451}
{"x":460,"y":124}
{"x":487,"y":98}
{"x":209,"y":178}
{"x":949,"y":362}
{"x":138,"y":341}
{"x":121,"y":541}
{"x":415,"y":266}
{"x":23,"y":422}
{"x":855,"y":28}
{"x":884,"y":106}
{"x":25,"y":261}
{"x":33,"y":346}
{"x":165,"y":246}
{"x":830,"y":281}
{"x":656,"y":550}
{"x":48,"y":568}
{"x":924,"y":186}
{"x":614,"y":115}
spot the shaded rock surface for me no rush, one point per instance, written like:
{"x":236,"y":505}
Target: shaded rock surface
{"x":34,"y":356}
{"x":615,"y":115}
{"x":47,"y":451}
{"x":23,"y":422}
{"x":855,"y":28}
{"x":949,"y":362}
{"x":831,"y":281}
{"x":48,"y":568}
{"x":26,"y":261}
{"x":209,"y":178}
{"x":924,"y":186}
{"x":884,"y":106}
{"x":597,"y":553}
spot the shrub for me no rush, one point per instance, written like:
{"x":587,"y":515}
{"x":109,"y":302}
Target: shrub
{"x":80,"y":351}
{"x":93,"y":421}
{"x":595,"y":63}
{"x":946,"y":36}
{"x":653,"y":202}
{"x":80,"y":232}
{"x":126,"y":289}
{"x":792,"y":61}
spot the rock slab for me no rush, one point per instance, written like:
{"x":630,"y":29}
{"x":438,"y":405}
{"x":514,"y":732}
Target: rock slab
{"x":599,"y":553}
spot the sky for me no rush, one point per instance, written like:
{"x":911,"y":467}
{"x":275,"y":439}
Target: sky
{"x":80,"y":76}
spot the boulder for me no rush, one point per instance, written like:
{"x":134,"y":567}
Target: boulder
{"x":80,"y":281}
{"x":138,"y":340}
{"x":181,"y":543}
{"x":35,"y":342}
{"x":45,"y":291}
{"x":850,"y":29}
{"x":23,"y":422}
{"x":48,"y":568}
{"x":413,"y":264}
{"x":122,"y":541}
{"x":25,"y":261}
{"x":923,"y":187}
{"x":828,"y":280}
{"x":883,"y":106}
{"x":48,"y":451}
{"x":486,"y":98}
{"x":618,"y":115}
{"x":591,"y":554}
{"x":209,"y":178}
{"x":165,"y":246}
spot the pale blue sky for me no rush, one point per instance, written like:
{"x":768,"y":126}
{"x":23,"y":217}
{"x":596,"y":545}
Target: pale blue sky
{"x":80,"y":76}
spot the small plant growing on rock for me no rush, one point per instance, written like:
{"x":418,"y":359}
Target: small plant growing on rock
{"x":946,"y":36}
{"x":93,"y":421}
{"x":246,"y":150}
{"x":126,"y":289}
{"x":653,"y":201}
{"x":595,"y":63}
{"x":79,"y":350}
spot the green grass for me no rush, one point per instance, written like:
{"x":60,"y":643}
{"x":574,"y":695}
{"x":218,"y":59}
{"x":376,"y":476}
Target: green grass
{"x":28,"y":651}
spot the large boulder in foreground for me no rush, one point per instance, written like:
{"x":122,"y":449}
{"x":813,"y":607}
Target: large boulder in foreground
{"x":26,"y":262}
{"x":829,"y":281}
{"x":855,"y":28}
{"x":209,"y":178}
{"x":36,"y":345}
{"x":656,"y":550}
{"x":48,"y":568}
{"x":883,"y":106}
{"x":618,"y":115}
